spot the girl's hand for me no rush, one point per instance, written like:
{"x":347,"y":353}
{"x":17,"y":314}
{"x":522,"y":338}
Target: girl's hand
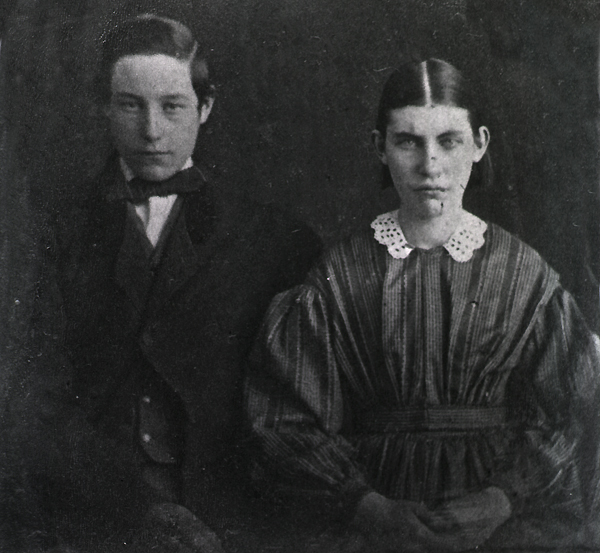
{"x":474,"y":516}
{"x":389,"y":526}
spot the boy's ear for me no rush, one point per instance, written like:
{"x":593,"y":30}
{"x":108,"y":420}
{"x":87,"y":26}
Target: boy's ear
{"x":206,"y":108}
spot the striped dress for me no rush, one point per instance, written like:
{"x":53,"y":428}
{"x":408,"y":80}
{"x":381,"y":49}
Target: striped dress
{"x":424,"y":378}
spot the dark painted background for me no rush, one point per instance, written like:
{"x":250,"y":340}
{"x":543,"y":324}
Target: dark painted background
{"x":298,"y":82}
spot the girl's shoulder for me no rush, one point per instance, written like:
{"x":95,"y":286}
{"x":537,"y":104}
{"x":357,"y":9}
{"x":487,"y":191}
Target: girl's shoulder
{"x":505,"y":253}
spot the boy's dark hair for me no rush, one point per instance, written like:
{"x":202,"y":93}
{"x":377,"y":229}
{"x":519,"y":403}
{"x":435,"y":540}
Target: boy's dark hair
{"x":147,"y":35}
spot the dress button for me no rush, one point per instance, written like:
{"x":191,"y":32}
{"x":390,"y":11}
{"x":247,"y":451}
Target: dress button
{"x":146,"y":438}
{"x":147,"y":338}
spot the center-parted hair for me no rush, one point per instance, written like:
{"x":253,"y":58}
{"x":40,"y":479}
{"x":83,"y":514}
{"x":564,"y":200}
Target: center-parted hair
{"x":432,"y":82}
{"x":151,"y":35}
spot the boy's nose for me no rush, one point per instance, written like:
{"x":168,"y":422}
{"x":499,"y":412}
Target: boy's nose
{"x":153,"y":124}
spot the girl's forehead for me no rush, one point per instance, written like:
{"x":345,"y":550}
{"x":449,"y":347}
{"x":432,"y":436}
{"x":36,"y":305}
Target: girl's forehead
{"x":431,"y":119}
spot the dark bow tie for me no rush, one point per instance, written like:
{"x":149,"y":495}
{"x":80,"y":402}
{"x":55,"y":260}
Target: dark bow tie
{"x":138,"y":190}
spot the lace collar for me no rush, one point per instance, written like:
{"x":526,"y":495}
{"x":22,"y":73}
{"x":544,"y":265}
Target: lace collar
{"x":467,"y":237}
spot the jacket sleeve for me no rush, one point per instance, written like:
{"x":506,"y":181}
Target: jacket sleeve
{"x":57,"y":470}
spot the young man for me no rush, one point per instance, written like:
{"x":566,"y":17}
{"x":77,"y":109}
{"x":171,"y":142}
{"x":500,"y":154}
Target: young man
{"x":163,"y":282}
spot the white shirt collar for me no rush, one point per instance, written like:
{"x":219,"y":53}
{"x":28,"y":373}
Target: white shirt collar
{"x":128,"y":173}
{"x":467,"y":237}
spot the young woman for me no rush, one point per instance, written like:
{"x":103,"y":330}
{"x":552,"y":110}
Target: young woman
{"x":431,"y":376}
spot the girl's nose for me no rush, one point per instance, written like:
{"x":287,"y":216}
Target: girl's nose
{"x":430,"y":163}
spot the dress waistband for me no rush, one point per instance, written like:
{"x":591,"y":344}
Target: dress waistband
{"x":431,"y":418}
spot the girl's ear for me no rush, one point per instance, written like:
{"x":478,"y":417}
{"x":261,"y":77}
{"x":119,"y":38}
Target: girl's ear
{"x":379,"y":143}
{"x":482,"y":140}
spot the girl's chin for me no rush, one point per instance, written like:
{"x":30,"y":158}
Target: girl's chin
{"x":431,"y":208}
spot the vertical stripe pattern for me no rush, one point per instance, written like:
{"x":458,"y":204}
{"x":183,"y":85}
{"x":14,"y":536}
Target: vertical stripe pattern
{"x":368,"y":333}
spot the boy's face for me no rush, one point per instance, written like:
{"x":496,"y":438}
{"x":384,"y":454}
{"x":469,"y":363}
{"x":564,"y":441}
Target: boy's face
{"x":154,"y":114}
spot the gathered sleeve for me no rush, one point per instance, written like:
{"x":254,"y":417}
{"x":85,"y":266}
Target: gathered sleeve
{"x":567,"y":381}
{"x":556,"y":469}
{"x":294,"y":401}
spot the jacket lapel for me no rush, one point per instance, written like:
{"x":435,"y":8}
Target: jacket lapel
{"x":150,"y":282}
{"x":187,"y":248}
{"x":178,"y":263}
{"x":133,"y":271}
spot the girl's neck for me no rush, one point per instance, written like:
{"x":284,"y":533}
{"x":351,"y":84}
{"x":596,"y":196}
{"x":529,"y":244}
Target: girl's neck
{"x":429,"y":232}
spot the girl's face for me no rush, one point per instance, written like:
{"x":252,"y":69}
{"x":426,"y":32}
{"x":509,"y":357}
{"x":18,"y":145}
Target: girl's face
{"x":430,"y":151}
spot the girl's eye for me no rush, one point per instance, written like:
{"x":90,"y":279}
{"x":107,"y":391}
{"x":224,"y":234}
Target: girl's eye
{"x":406,"y":143}
{"x":128,"y":105}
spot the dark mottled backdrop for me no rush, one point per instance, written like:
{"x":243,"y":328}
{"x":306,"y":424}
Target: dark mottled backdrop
{"x":298,"y":83}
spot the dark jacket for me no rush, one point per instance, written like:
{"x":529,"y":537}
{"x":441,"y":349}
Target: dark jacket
{"x":189,"y":319}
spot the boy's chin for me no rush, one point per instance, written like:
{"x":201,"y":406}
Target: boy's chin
{"x":155,"y":173}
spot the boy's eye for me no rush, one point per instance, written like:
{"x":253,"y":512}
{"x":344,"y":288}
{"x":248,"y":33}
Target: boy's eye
{"x":449,"y":143}
{"x":174,"y":107}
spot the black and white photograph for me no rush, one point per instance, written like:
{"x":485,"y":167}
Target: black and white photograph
{"x":284,"y":276}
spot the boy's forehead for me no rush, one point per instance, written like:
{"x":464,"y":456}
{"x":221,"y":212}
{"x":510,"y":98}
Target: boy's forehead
{"x":156,"y":74}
